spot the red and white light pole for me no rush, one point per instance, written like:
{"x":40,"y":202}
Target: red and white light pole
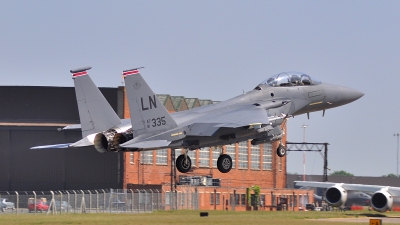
{"x":304,"y":153}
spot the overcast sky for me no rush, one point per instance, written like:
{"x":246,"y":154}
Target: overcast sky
{"x":216,"y":49}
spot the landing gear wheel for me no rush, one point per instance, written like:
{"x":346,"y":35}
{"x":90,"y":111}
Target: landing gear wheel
{"x":224,"y":163}
{"x":183,"y":164}
{"x":281,"y":151}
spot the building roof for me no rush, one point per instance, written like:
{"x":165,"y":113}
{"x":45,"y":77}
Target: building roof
{"x":179,"y":103}
{"x":192,"y":102}
{"x":166,"y":100}
{"x":205,"y":102}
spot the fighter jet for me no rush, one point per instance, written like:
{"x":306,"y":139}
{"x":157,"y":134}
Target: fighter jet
{"x":258,"y":115}
{"x":338,"y":194}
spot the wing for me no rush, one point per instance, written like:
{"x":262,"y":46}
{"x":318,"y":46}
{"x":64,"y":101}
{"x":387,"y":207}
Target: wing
{"x":394,"y":191}
{"x":244,"y":116}
{"x":237,"y":118}
{"x":152,"y":144}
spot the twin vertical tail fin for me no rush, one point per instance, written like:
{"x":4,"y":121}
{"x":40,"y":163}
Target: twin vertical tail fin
{"x":95,"y":113}
{"x":148,"y":114}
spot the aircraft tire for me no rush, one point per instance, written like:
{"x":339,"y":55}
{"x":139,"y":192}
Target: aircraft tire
{"x":281,"y":151}
{"x":224,"y":163}
{"x":183,"y":165}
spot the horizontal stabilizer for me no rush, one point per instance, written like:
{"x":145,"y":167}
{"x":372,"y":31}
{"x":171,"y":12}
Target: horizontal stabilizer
{"x":147,"y":144}
{"x":72,"y":127}
{"x":82,"y":143}
{"x":52,"y":146}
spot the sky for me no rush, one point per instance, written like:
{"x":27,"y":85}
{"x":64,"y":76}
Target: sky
{"x":216,"y":49}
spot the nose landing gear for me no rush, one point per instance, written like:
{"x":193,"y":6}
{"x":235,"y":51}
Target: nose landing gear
{"x":281,"y":150}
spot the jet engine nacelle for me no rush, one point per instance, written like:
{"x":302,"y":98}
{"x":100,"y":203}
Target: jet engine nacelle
{"x":336,"y":196}
{"x":121,"y":138}
{"x":109,"y":141}
{"x":381,"y":201}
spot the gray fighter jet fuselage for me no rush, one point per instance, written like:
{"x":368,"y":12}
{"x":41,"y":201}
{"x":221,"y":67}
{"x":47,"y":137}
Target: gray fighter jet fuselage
{"x":277,"y":102}
{"x":255,"y":115}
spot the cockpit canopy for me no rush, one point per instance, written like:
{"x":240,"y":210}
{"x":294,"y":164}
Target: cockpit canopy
{"x":290,"y":79}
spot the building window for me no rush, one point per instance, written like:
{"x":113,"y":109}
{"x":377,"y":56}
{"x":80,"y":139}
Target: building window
{"x":267,"y":156}
{"x":204,"y":157}
{"x":243,"y":199}
{"x":216,"y":198}
{"x":131,"y":158}
{"x":237,"y":199}
{"x":243,"y":154}
{"x":162,"y":157}
{"x":262,"y":201}
{"x":255,"y":157}
{"x":181,"y":196}
{"x":273,"y":200}
{"x":192,"y":155}
{"x":231,"y":151}
{"x":147,"y":157}
{"x":215,"y":154}
{"x":178,"y":152}
{"x":167,"y":198}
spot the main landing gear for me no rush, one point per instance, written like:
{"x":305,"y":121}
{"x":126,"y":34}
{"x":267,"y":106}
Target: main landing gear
{"x":224,"y":163}
{"x":183,"y":163}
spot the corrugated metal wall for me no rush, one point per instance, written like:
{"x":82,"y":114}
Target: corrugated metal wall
{"x":23,"y":169}
{"x":44,"y":104}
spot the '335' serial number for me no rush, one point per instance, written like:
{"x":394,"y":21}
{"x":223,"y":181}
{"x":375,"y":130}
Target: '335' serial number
{"x":156,"y":122}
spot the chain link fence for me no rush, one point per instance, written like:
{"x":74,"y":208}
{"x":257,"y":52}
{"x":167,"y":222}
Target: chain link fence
{"x":97,"y":201}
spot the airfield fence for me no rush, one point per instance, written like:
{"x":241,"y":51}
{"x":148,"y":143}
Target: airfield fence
{"x":100,"y":201}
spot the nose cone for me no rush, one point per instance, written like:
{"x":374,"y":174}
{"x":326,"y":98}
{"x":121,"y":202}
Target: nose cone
{"x":350,"y":95}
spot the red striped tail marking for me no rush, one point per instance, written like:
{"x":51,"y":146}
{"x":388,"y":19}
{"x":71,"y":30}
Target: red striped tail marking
{"x":131,"y":72}
{"x":78,"y":74}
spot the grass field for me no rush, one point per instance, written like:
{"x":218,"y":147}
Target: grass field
{"x":191,"y":217}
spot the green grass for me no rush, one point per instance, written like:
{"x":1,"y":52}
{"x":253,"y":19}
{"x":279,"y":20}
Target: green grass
{"x":189,"y":217}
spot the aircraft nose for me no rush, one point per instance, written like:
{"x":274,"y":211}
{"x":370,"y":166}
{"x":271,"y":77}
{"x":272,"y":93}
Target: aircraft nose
{"x":350,"y":95}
